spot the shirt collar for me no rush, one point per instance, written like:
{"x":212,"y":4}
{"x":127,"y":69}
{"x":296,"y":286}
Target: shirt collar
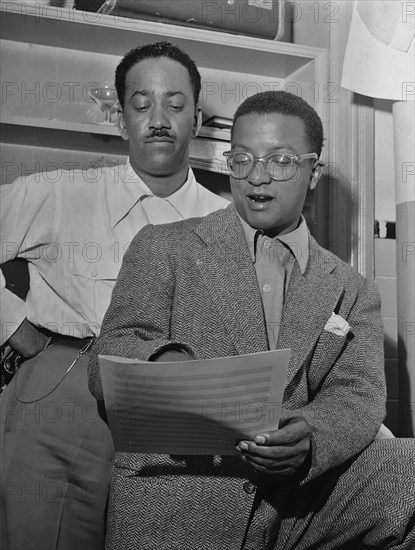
{"x":136,"y":190}
{"x":186,"y":197}
{"x":297,"y":241}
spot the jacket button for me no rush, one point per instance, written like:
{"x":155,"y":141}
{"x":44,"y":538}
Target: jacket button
{"x":249,"y":488}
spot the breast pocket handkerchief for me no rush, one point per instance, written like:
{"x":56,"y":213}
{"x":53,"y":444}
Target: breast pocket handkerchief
{"x":337,"y":325}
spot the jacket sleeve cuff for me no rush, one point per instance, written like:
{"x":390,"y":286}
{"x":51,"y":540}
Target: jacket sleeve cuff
{"x":178,"y":346}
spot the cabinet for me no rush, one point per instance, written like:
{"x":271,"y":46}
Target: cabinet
{"x":50,"y":55}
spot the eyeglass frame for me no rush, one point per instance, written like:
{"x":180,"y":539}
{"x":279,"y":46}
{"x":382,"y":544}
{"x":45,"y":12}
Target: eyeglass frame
{"x":264,"y":160}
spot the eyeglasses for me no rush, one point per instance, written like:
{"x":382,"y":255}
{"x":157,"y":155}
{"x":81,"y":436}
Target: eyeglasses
{"x":279,"y":166}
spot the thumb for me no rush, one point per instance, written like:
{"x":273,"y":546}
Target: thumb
{"x":261,"y":439}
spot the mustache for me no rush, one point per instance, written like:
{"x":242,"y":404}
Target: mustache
{"x":160,"y":133}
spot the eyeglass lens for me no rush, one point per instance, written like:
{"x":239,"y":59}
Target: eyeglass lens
{"x":278,"y":166}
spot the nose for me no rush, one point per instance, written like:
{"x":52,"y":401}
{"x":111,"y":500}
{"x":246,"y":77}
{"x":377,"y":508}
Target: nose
{"x":159,"y":117}
{"x":259,"y":175}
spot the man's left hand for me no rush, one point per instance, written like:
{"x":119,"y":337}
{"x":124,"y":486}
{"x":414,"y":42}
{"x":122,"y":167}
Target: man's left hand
{"x":281,"y":451}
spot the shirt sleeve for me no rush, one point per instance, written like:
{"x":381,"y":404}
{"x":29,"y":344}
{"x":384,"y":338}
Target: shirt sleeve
{"x":27,"y":213}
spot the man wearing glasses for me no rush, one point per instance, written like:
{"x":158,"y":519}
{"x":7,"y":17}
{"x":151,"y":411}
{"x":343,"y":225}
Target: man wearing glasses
{"x":247,"y":279}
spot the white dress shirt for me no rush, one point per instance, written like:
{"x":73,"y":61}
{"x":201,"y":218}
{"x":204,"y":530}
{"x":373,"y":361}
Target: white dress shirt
{"x":74,"y":227}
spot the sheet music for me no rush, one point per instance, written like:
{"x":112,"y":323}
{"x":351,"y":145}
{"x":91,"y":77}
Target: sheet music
{"x":192,"y":407}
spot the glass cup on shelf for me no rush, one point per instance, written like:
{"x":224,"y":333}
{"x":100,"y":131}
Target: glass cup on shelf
{"x":105,"y":96}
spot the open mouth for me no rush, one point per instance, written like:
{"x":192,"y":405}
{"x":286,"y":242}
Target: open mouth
{"x":260,"y":199}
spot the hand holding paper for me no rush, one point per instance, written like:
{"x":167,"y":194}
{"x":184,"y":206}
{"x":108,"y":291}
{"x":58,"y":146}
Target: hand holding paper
{"x":192,"y":407}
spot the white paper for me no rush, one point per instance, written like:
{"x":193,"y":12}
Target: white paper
{"x":379,"y":57}
{"x":192,"y":407}
{"x":389,"y":21}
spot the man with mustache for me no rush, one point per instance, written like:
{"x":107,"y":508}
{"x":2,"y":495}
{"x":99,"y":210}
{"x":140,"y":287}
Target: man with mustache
{"x":73,"y":227}
{"x":247,"y":279}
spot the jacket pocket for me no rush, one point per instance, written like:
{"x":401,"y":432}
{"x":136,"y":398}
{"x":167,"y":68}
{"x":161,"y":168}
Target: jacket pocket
{"x":328,"y":348}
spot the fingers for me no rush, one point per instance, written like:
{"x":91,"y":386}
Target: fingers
{"x":286,"y":463}
{"x":294,"y":431}
{"x":284,"y":468}
{"x":275,"y":460}
{"x":273,"y":455}
{"x":282,"y":442}
{"x":280,"y":451}
{"x":274,"y":452}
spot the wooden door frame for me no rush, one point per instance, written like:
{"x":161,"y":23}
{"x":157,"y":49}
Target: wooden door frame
{"x":351,"y":151}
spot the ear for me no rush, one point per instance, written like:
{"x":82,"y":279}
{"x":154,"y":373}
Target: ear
{"x":197,"y":121}
{"x":315,"y":175}
{"x":122,"y":127}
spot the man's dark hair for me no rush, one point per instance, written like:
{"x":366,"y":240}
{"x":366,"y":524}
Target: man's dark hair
{"x":285,"y":103}
{"x":153,"y":51}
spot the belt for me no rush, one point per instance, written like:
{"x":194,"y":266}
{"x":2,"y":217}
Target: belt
{"x":11,"y":360}
{"x":68,"y":341}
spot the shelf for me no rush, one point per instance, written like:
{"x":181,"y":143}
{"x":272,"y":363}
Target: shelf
{"x":89,"y":128}
{"x":56,"y":124}
{"x":112,"y":35}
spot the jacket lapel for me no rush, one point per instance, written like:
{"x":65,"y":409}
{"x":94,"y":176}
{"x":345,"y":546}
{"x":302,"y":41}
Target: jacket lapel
{"x":227,"y":270}
{"x":310,"y":301}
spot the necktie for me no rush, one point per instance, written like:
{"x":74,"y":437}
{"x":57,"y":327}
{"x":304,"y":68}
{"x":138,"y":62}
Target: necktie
{"x":271,"y":268}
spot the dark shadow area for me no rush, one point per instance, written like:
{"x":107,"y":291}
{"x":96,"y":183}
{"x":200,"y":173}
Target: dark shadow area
{"x":400,"y":409}
{"x":16,"y":273}
{"x":406,"y":407}
{"x":214,"y":181}
{"x":392,"y":418}
{"x":332,"y":229}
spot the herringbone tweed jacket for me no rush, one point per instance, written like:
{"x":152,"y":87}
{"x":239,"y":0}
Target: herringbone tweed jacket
{"x":193,"y":283}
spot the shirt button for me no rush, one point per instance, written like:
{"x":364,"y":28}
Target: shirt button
{"x":249,"y":488}
{"x":266,"y":288}
{"x":267,"y":244}
{"x":94,"y":273}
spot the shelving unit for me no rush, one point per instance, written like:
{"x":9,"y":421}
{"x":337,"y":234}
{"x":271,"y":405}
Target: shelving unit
{"x":51,"y":55}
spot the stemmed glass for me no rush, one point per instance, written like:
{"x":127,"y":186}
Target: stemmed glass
{"x":105,"y":95}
